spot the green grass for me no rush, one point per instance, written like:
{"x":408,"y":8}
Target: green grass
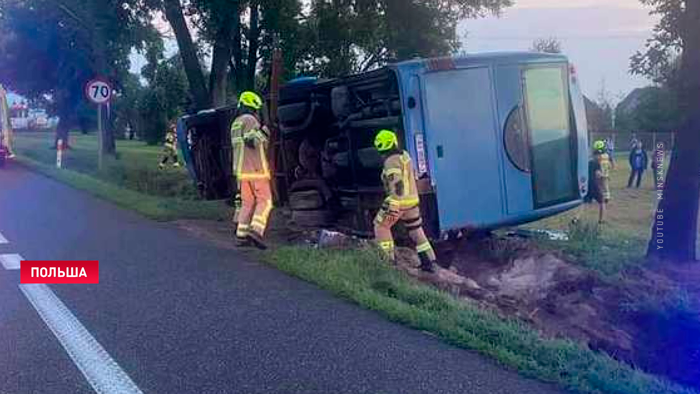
{"x":360,"y":276}
{"x":620,"y":243}
{"x":132,"y":180}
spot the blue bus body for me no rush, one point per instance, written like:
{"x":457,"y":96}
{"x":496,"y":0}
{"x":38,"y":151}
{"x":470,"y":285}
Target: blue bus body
{"x":459,"y":110}
{"x":497,"y":139}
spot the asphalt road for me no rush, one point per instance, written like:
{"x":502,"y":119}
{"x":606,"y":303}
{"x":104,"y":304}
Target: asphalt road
{"x":181,"y":315}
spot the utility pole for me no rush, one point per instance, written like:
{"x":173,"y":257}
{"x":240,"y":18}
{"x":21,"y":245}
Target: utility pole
{"x":276,"y":142}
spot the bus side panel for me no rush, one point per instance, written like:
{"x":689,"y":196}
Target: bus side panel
{"x":462,"y":147}
{"x":518,"y":182}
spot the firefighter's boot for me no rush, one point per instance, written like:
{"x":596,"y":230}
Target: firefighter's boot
{"x":242,"y":242}
{"x":257,"y":240}
{"x":426,"y":264}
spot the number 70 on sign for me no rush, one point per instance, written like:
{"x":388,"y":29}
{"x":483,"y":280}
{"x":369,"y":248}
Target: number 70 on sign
{"x":99,"y":91}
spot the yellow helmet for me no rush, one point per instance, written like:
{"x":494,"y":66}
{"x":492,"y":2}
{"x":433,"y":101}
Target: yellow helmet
{"x":251,"y":100}
{"x":599,"y":145}
{"x":385,"y":140}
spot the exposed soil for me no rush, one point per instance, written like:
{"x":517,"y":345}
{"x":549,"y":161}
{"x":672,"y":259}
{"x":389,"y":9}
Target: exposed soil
{"x":639,"y":319}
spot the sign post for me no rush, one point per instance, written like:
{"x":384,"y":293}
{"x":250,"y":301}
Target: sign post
{"x":99,"y":91}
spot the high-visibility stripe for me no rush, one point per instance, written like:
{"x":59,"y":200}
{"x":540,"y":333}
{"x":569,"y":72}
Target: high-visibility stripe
{"x":424,"y":247}
{"x":252,"y":176}
{"x":239,"y":164}
{"x":263,"y":161}
{"x":386,"y":245}
{"x":392,"y":171}
{"x":243,"y":230}
{"x":268,"y":209}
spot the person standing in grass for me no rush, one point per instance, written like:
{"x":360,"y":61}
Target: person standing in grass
{"x":610,"y":149}
{"x":638,"y":163}
{"x":599,"y":175}
{"x":170,"y":147}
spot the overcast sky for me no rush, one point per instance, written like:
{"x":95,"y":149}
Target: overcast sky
{"x":599,"y":36}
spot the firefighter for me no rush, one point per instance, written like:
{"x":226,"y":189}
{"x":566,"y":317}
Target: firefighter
{"x":401,"y":202}
{"x":600,"y":173}
{"x":249,"y":140}
{"x":170,"y":147}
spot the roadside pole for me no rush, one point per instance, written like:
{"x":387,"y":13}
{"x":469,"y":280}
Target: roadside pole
{"x":100,"y":147}
{"x":99,"y":92}
{"x":59,"y":153}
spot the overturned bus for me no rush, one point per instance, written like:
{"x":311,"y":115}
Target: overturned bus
{"x":497,"y":139}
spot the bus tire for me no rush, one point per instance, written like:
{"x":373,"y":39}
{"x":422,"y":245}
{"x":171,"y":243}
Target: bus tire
{"x":317,"y":218}
{"x":307,"y":200}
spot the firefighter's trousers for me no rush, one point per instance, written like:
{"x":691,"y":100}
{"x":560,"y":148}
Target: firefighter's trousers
{"x":255,"y":209}
{"x":169,"y":154}
{"x":411,"y":218}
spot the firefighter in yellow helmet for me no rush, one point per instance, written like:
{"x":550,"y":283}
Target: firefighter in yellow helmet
{"x":170,"y":147}
{"x":249,"y":140}
{"x":600,"y":174}
{"x":401,"y":202}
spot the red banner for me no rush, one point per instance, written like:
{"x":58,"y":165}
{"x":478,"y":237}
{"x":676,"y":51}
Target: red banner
{"x":49,"y":272}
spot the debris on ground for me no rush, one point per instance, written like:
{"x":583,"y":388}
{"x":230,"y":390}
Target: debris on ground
{"x":553,"y":235}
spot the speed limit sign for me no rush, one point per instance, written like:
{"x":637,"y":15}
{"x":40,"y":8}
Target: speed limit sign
{"x":99,"y":91}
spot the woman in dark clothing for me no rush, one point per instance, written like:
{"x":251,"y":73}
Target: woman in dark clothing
{"x":638,"y":163}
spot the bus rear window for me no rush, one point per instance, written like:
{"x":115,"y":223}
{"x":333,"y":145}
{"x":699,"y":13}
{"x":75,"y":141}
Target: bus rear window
{"x":547,"y":112}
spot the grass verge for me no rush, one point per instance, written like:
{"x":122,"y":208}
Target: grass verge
{"x":157,"y":208}
{"x":360,"y":277}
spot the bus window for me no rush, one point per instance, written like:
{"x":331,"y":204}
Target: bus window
{"x":547,"y":112}
{"x":516,"y":141}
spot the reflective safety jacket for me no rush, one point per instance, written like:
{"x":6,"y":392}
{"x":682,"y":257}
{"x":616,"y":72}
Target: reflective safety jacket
{"x":249,"y":142}
{"x":399,"y":181}
{"x":604,"y":165}
{"x":170,"y":140}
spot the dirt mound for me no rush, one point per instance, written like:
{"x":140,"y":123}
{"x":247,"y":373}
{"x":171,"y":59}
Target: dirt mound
{"x":642,"y":318}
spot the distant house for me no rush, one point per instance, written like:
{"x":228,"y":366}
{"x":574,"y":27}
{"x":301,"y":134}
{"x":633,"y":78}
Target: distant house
{"x":630,"y":103}
{"x":648,"y":109}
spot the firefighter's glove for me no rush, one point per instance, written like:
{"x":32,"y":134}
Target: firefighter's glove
{"x":249,"y":142}
{"x":237,"y":201}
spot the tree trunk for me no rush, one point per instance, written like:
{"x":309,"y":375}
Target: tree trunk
{"x":276,"y":72}
{"x":188,"y":52}
{"x":62,"y":129}
{"x":237,"y":52}
{"x":675,"y":228}
{"x":253,"y":44}
{"x":218,"y":79}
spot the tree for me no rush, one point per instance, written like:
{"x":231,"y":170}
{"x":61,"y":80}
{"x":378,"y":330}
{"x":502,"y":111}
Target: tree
{"x":164,"y":98}
{"x":546,"y":45}
{"x":349,"y":36}
{"x":675,"y":226}
{"x":52,"y":48}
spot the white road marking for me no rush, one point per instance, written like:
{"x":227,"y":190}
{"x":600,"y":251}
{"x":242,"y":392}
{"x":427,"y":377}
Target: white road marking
{"x":3,"y":240}
{"x":10,"y":261}
{"x":101,"y":371}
